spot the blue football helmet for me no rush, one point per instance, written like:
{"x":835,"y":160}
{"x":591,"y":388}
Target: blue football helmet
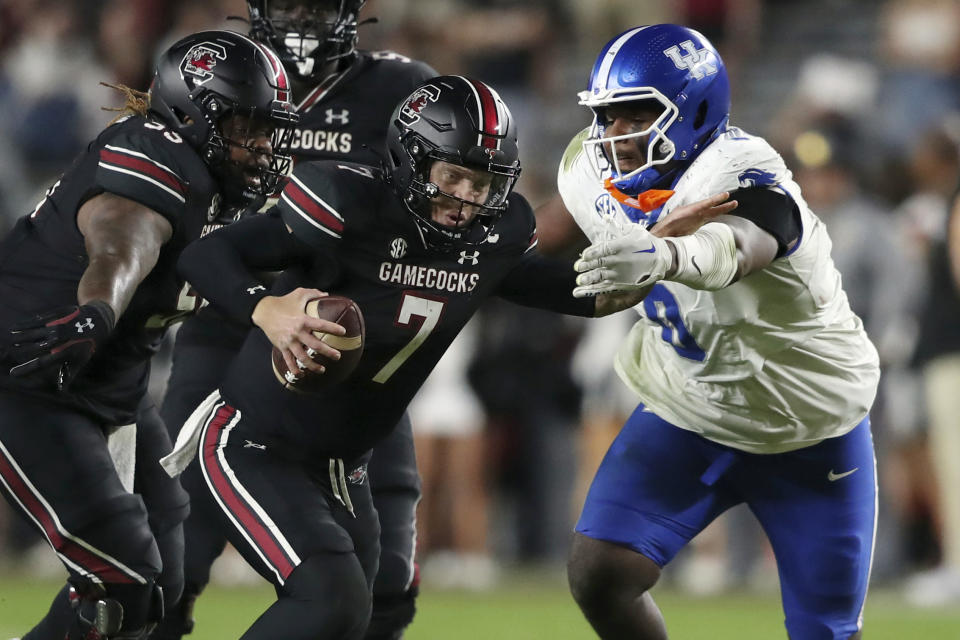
{"x":674,"y":66}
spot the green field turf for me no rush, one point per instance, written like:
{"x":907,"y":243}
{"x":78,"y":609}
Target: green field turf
{"x":528,"y":609}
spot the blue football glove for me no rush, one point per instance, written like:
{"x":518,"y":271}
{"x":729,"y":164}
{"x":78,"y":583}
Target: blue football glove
{"x":57,"y":344}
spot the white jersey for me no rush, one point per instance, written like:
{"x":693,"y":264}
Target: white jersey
{"x":772,"y":363}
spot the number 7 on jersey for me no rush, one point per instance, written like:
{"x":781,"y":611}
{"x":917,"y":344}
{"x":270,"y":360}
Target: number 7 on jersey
{"x":412,"y":306}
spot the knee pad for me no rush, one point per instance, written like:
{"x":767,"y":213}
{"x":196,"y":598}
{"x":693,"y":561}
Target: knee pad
{"x":114,"y":611}
{"x":392,"y":615}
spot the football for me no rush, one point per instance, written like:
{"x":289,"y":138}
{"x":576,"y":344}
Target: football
{"x":344,"y":312}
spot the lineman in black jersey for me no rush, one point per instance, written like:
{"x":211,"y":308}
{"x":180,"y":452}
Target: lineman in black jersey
{"x":343,"y":97}
{"x":88,"y":285}
{"x":418,"y":246}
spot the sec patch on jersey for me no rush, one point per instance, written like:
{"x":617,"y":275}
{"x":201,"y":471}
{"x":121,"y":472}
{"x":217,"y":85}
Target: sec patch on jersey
{"x":344,"y":312}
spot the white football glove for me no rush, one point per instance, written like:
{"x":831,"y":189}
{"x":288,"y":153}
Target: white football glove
{"x":627,"y":258}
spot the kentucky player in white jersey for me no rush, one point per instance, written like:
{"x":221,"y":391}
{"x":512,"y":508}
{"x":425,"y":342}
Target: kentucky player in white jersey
{"x":755,"y":377}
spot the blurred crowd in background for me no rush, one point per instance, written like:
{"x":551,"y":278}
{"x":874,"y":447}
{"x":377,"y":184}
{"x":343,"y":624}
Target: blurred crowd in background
{"x":861,"y":96}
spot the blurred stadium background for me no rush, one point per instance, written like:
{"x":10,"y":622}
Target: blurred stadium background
{"x":861,"y":96}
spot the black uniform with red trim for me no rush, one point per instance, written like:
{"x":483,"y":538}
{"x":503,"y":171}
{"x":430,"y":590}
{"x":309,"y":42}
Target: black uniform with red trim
{"x":99,"y":530}
{"x":352,"y":236}
{"x":343,"y":118}
{"x":362,"y":243}
{"x":43,"y":258}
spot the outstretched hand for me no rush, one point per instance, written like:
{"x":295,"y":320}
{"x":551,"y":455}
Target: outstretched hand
{"x":631,"y":258}
{"x":288,"y":327}
{"x":685,"y":220}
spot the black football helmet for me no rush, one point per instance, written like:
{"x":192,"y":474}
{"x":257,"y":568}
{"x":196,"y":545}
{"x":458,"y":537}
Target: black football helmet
{"x":212,"y":75}
{"x":306,"y":34}
{"x":464,"y":122}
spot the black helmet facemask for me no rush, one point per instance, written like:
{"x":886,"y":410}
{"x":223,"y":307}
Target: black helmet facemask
{"x":308,"y":35}
{"x":210,"y":78}
{"x":464,"y":123}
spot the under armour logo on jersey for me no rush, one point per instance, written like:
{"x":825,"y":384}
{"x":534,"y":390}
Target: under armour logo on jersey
{"x":253,"y":290}
{"x":249,"y":444}
{"x":398,"y":248}
{"x":86,"y":324}
{"x":694,"y":59}
{"x":474,"y":258}
{"x":343,"y":117}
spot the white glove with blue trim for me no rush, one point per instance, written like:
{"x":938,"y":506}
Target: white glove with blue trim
{"x":628,"y":258}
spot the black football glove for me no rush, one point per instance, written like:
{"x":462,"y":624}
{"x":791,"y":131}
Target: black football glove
{"x":60,"y":342}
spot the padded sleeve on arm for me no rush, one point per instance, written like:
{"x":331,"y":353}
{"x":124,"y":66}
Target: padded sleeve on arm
{"x":773,"y":211}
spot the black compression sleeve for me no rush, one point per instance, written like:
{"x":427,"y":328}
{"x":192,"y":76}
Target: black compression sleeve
{"x":545,"y":283}
{"x":773,"y":211}
{"x":221,"y":266}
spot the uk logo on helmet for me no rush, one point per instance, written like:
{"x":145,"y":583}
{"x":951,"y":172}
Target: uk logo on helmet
{"x":201,"y":59}
{"x":695,"y":60}
{"x":410,"y":112}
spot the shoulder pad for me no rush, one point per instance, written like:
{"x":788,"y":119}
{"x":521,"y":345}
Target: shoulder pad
{"x":148,"y":163}
{"x":321,"y":197}
{"x":733,"y":161}
{"x":401,"y":68}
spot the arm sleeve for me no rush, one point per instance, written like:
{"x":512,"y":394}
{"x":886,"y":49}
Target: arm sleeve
{"x":221,"y":266}
{"x":545,"y":283}
{"x":147,"y":169}
{"x":773,"y":211}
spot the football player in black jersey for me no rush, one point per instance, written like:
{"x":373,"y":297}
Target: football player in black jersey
{"x":418,"y":245}
{"x":344,"y":96}
{"x":88,"y":286}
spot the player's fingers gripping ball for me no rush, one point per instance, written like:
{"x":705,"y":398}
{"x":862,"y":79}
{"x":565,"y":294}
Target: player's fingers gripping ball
{"x":342,"y":311}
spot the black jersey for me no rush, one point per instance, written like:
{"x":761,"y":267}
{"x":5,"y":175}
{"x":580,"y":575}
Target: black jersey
{"x":360,"y":241}
{"x":346,"y":116}
{"x":343,"y":118}
{"x":43,"y":258}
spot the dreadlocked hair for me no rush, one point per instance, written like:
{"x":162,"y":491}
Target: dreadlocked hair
{"x":137,"y":102}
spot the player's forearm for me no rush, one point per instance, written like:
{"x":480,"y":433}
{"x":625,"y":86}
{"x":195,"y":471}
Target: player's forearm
{"x":217,"y":271}
{"x":122,"y":239}
{"x":545,"y":283}
{"x":112,"y":279}
{"x":225,"y":266}
{"x":608,"y":303}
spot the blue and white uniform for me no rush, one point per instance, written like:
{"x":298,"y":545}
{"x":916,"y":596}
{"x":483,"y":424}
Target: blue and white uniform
{"x":757,"y":392}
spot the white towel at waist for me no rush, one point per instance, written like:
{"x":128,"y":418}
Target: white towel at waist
{"x":188,"y":440}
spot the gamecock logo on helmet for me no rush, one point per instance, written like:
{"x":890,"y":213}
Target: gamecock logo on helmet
{"x":410,"y":112}
{"x":201,"y":60}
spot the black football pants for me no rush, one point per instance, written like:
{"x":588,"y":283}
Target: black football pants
{"x":395,"y":484}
